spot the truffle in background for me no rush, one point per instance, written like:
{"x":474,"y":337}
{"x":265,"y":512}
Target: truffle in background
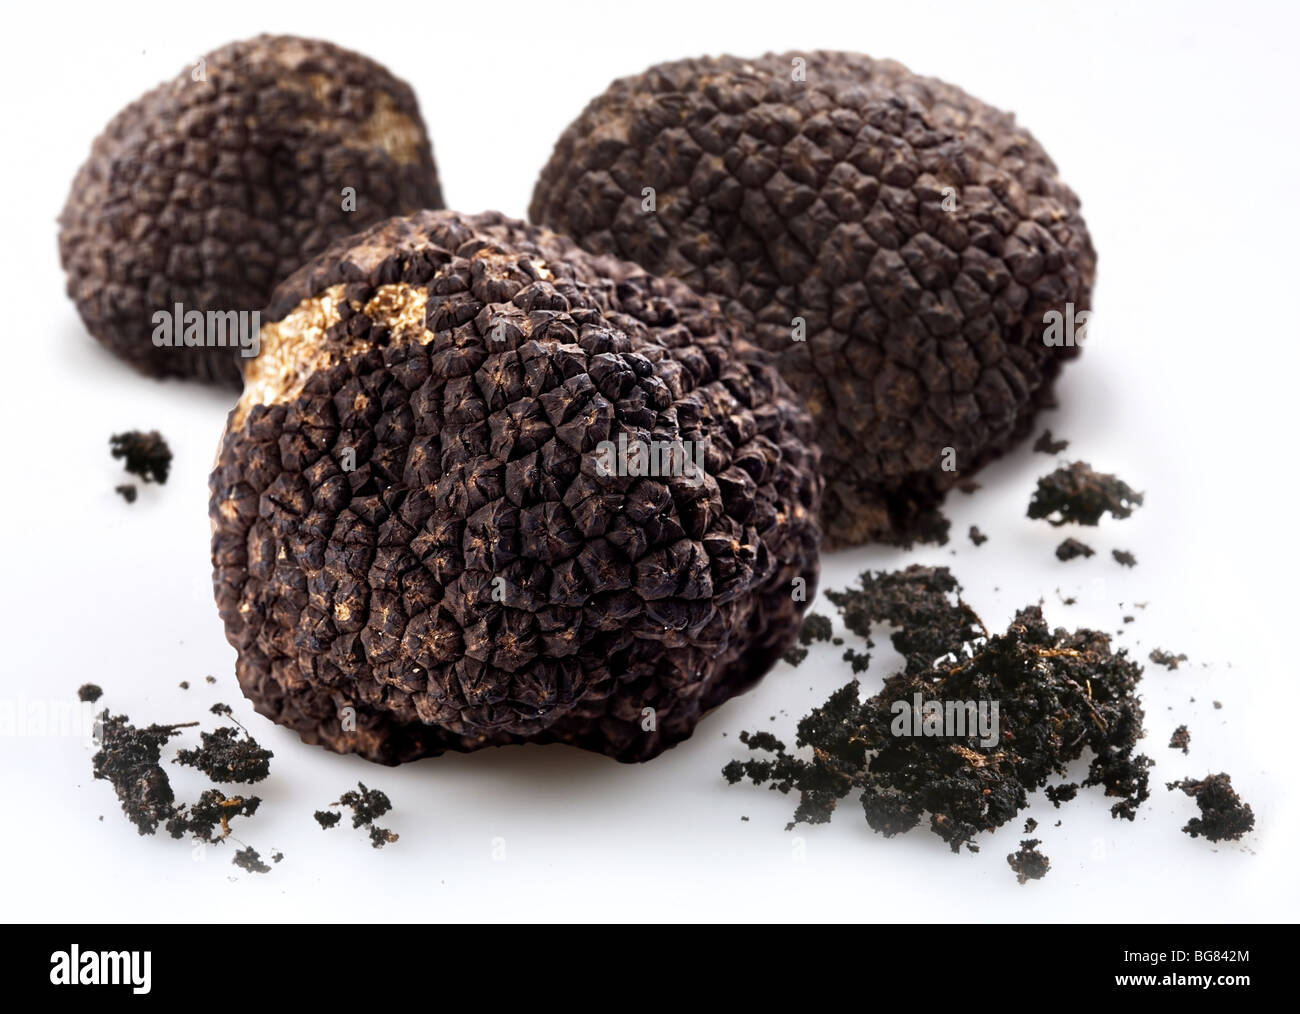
{"x":215,"y":186}
{"x":895,"y":242}
{"x":419,"y":542}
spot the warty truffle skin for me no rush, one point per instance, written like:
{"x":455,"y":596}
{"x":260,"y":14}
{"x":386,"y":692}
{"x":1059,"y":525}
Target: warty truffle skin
{"x":477,"y":579}
{"x":208,"y":192}
{"x":828,"y":199}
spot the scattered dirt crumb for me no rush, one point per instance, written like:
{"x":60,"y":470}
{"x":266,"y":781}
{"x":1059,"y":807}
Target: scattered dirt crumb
{"x":1046,"y":445}
{"x":1165,"y":658}
{"x":248,"y":859}
{"x":1224,"y":815}
{"x":1028,"y":863}
{"x":1072,"y":548}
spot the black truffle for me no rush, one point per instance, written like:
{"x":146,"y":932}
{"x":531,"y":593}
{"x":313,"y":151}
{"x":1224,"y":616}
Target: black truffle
{"x":427,"y":536}
{"x":214,"y":809}
{"x":904,"y":248}
{"x":1046,"y":444}
{"x":213,"y":187}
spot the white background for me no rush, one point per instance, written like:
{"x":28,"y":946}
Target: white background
{"x":1176,"y":125}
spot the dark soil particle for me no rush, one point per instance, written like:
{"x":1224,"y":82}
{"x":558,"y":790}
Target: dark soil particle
{"x":126,"y":491}
{"x":1031,"y":826}
{"x":1124,"y":558}
{"x":928,"y":618}
{"x":1028,"y":863}
{"x":1224,"y":815}
{"x":228,"y":755}
{"x":366,"y":804}
{"x":795,"y":655}
{"x":146,"y":455}
{"x":1072,"y":548}
{"x":1166,"y":658}
{"x":931,"y":529}
{"x":129,"y":758}
{"x":1059,"y":794}
{"x":976,"y":536}
{"x":821,"y":199}
{"x":89,"y":692}
{"x":1181,"y":739}
{"x":1046,"y":445}
{"x":248,"y":859}
{"x":1059,"y":693}
{"x":381,"y":836}
{"x":815,"y":628}
{"x":213,"y":810}
{"x":1075,"y":494}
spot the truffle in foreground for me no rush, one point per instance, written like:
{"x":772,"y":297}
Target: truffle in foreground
{"x":903,"y":249}
{"x":444,"y":519}
{"x":209,"y":190}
